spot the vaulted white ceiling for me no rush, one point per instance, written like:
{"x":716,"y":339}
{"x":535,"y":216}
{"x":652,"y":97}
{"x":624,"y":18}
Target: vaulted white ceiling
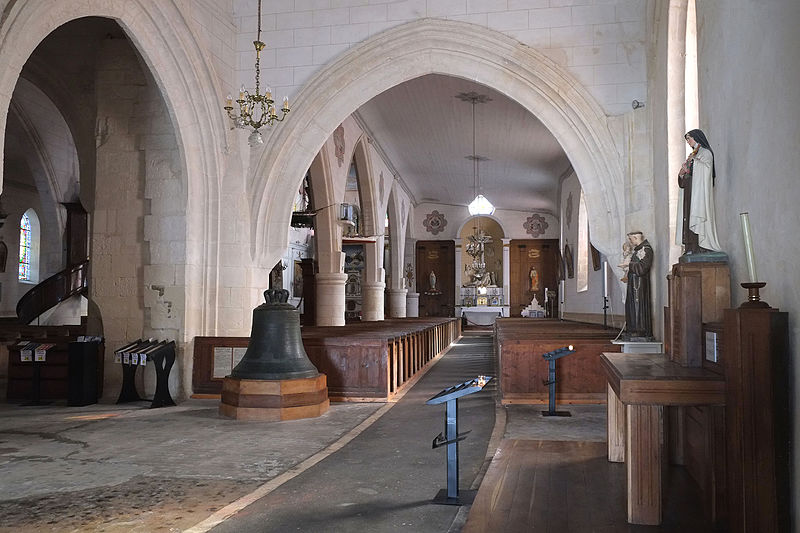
{"x":426,"y":132}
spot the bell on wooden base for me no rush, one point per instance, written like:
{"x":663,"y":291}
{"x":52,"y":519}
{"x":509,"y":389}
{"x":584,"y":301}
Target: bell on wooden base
{"x":275,"y":350}
{"x":275,"y":380}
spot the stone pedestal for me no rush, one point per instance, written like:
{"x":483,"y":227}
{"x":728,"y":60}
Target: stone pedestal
{"x":330,"y":298}
{"x":412,"y":304}
{"x":264,"y":400}
{"x":397,"y":303}
{"x":372,"y":301}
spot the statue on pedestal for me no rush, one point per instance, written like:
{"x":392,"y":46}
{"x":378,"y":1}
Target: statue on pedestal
{"x":638,"y":307}
{"x":696,"y":228}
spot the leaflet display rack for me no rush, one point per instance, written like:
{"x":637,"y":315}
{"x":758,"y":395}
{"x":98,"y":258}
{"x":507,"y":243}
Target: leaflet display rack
{"x":138,"y":353}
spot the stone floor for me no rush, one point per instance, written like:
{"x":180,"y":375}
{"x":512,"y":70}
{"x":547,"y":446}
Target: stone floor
{"x":129,"y":468}
{"x":361,"y":466}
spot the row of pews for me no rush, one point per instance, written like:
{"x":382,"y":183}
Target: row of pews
{"x":363,"y":361}
{"x":520,"y":344}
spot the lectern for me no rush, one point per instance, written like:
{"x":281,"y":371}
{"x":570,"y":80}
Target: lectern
{"x":451,"y":495}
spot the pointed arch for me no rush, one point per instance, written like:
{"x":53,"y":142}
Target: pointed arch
{"x":434,"y":46}
{"x":370,"y":202}
{"x":191,"y":92}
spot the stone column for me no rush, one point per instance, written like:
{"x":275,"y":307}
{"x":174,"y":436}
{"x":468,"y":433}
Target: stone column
{"x":374,"y":284}
{"x":412,"y":304}
{"x":506,"y":271}
{"x":330,"y":298}
{"x":372,"y":301}
{"x":397,"y":303}
{"x":459,"y":272}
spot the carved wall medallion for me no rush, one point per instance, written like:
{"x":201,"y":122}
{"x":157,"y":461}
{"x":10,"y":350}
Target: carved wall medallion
{"x":338,"y":143}
{"x":568,"y":211}
{"x":535,"y":225}
{"x":434,"y":222}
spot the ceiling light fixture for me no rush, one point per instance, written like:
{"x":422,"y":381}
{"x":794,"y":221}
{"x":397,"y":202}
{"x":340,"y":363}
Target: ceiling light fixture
{"x":256,"y":110}
{"x":480,"y":205}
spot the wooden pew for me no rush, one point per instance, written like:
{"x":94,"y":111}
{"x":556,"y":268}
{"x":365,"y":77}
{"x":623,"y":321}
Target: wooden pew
{"x":364,"y":361}
{"x":520,"y":344}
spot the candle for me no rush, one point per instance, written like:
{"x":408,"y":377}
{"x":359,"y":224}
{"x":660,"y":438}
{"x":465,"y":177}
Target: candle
{"x":748,"y":247}
{"x":605,"y":279}
{"x":269,"y":93}
{"x":241,"y":93}
{"x":228,"y":101}
{"x":286,"y":102}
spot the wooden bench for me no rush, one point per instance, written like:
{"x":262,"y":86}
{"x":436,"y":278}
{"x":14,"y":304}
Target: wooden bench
{"x":520,"y":344}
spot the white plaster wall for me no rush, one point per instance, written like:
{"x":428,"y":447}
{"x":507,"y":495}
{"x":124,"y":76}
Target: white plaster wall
{"x":511,"y":222}
{"x":589,"y":301}
{"x":601,"y":43}
{"x":750,"y":112}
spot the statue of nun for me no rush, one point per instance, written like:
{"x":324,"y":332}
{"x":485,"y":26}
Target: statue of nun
{"x":696,"y":228}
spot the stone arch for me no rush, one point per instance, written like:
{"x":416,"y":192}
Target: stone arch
{"x":434,"y":46}
{"x":370,"y":203}
{"x":473,"y":217}
{"x":190,"y":91}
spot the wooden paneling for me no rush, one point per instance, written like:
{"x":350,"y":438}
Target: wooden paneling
{"x":643,"y":456}
{"x":758,"y":419}
{"x":541,"y":254}
{"x":438,"y":257}
{"x":698,"y":294}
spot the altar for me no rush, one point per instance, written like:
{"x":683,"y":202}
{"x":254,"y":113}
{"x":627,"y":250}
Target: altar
{"x":483,"y":315}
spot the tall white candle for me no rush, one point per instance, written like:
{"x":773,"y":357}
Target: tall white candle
{"x":605,"y":279}
{"x":748,"y":247}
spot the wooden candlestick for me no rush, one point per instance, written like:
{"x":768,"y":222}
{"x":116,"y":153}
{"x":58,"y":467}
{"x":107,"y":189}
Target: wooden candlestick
{"x":753,"y":298}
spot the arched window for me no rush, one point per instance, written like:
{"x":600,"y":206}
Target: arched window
{"x":583,"y":247}
{"x":691,"y":93}
{"x":29,"y":247}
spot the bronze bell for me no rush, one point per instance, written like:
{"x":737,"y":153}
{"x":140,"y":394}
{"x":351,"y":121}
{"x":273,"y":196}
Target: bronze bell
{"x":275,"y":350}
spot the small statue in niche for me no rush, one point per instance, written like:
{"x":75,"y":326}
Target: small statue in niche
{"x":638,"y":312}
{"x":432,"y":290}
{"x":533,"y":274}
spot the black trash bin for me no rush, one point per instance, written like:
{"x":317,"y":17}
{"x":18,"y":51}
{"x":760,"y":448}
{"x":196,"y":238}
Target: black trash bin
{"x":82,"y":373}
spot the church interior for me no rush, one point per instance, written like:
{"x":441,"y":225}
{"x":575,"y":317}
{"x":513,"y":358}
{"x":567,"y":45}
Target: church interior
{"x":314,"y":217}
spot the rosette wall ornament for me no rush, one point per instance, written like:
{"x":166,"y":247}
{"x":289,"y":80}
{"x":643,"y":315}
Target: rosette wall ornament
{"x":256,"y":110}
{"x":535,"y":225}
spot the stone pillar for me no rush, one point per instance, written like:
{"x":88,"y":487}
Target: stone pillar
{"x":506,"y":271}
{"x":459,"y":263}
{"x":373,"y":286}
{"x":412,"y":304}
{"x":372,"y":301}
{"x":397,"y":303}
{"x":330,"y":298}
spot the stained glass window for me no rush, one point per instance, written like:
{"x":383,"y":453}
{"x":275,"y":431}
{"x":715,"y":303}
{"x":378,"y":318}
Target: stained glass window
{"x":25,"y":248}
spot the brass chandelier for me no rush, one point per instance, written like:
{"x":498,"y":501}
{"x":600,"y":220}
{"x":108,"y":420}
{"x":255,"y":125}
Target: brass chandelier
{"x":256,"y":110}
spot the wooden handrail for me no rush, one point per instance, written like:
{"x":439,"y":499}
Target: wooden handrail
{"x":52,"y":291}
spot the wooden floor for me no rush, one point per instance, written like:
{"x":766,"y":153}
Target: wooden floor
{"x":569,"y":487}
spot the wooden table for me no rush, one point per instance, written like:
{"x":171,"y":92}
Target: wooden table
{"x":639,"y":386}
